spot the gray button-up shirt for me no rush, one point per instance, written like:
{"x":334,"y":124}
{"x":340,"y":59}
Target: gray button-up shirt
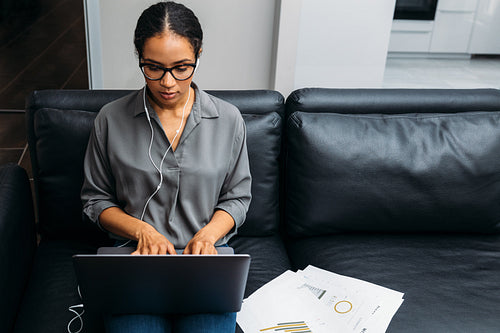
{"x":209,"y":169}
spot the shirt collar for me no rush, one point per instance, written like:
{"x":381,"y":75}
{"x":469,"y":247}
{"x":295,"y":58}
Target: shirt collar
{"x":203,"y":106}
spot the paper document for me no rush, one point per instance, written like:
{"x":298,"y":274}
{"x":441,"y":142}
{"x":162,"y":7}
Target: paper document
{"x":316,"y":300}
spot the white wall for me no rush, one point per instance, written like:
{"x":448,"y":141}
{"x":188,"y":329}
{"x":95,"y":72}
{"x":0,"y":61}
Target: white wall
{"x":238,"y":42}
{"x":485,"y":37}
{"x":255,"y":44}
{"x":343,"y":43}
{"x":286,"y":42}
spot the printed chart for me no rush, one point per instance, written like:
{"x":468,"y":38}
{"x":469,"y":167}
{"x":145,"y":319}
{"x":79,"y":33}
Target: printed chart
{"x":296,"y":326}
{"x":324,"y":302}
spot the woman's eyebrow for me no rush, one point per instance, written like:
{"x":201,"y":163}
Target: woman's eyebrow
{"x":161,"y":64}
{"x":151,"y":60}
{"x":183,"y":61}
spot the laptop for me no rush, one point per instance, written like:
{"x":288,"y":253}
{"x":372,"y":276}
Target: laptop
{"x":117,"y":283}
{"x":130,"y":249}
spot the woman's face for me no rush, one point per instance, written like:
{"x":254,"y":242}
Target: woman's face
{"x":168,"y":50}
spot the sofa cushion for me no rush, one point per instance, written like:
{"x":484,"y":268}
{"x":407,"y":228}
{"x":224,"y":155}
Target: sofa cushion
{"x":52,"y":289}
{"x":450,"y":281}
{"x":61,"y":138}
{"x":409,"y":172}
{"x":268,"y":259}
{"x":253,"y":101}
{"x":263,"y":111}
{"x":264,"y":148}
{"x":392,"y":101}
{"x":17,"y":240}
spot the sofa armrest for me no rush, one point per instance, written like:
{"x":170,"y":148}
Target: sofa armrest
{"x":17,"y":241}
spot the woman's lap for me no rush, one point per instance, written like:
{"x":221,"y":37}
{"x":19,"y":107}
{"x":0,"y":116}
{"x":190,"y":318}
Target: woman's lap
{"x":223,"y":322}
{"x":138,"y":323}
{"x":220,"y":322}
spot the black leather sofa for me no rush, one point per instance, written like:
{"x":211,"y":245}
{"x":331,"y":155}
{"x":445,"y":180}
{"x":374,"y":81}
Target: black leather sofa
{"x":397,"y":187}
{"x":17,"y":241}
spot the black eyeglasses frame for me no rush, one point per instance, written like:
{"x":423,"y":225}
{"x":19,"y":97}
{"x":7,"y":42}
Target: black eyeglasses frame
{"x":165,"y":70}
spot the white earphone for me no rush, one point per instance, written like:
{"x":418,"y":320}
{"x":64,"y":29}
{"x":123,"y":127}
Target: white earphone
{"x":197,"y":64}
{"x":160,"y":168}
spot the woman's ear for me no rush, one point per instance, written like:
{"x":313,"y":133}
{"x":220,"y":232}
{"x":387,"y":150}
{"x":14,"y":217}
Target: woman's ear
{"x":198,"y":60}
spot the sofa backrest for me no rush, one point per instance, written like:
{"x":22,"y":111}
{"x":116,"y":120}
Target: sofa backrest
{"x":59,"y":124}
{"x":365,"y":160}
{"x":263,"y":112}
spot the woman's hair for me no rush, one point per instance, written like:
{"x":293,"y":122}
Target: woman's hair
{"x":168,"y":16}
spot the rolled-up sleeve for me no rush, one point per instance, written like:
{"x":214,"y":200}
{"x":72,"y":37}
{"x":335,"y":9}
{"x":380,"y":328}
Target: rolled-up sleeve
{"x":98,"y":187}
{"x":236,"y":195}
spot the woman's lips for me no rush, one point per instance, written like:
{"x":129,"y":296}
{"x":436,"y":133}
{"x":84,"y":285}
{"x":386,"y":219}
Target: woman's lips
{"x":167,"y":95}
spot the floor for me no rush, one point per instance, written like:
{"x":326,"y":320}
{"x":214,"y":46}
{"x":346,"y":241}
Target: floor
{"x":42,"y":46}
{"x":477,"y":72}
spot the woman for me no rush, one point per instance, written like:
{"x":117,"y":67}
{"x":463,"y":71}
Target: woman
{"x":167,"y":167}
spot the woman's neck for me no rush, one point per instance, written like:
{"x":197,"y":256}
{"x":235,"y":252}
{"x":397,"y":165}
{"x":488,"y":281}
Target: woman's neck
{"x":175,"y":110}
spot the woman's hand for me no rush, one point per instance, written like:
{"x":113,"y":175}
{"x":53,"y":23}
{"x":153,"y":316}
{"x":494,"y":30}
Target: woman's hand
{"x":203,"y":242}
{"x":150,"y":241}
{"x":200,"y":244}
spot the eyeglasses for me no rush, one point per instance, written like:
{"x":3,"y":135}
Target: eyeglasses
{"x":155,"y":72}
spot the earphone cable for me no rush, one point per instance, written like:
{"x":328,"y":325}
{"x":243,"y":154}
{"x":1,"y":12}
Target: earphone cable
{"x":77,"y":315}
{"x":160,"y":168}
